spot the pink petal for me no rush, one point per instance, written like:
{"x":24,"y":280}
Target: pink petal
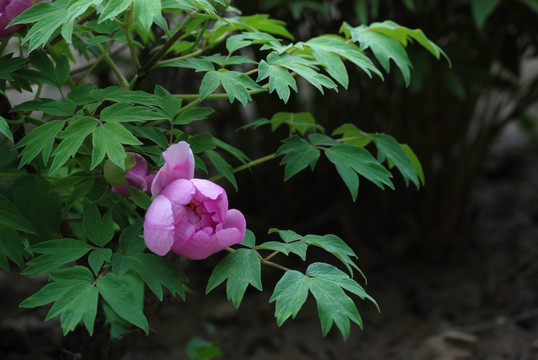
{"x":9,"y":12}
{"x":197,"y":247}
{"x":159,"y":226}
{"x":218,"y":202}
{"x":179,"y":165}
{"x":236,"y":219}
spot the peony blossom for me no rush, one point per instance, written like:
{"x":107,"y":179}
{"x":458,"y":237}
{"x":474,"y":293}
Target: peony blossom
{"x":9,"y":10}
{"x":136,"y":176}
{"x":189,"y":216}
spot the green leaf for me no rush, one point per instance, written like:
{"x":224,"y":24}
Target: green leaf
{"x":169,"y":104}
{"x":32,"y":194}
{"x":416,"y":163}
{"x":351,"y":135}
{"x":199,"y":349}
{"x":62,"y":107}
{"x":280,"y":79}
{"x":4,"y":129}
{"x":336,"y":246}
{"x":39,"y":140}
{"x":99,"y":230}
{"x":236,"y":85}
{"x":123,"y":300}
{"x":482,"y":9}
{"x":55,"y":253}
{"x":329,"y":49}
{"x":113,"y":8}
{"x":146,"y":11}
{"x":11,"y":217}
{"x":290,"y":295}
{"x":222,"y":167}
{"x":9,"y":65}
{"x":390,"y":148}
{"x":122,"y":112}
{"x":300,"y":122}
{"x":157,"y":272}
{"x":239,"y":41}
{"x":298,"y":154}
{"x":334,"y":305}
{"x":47,"y":17}
{"x":74,"y":295}
{"x":108,"y":140}
{"x":241,"y":268}
{"x":193,"y":114}
{"x":262,"y":22}
{"x":351,"y":160}
{"x":97,"y":258}
{"x":140,"y":198}
{"x":298,"y":247}
{"x":384,"y":49}
{"x":73,"y":136}
{"x":11,"y":246}
{"x":304,"y":67}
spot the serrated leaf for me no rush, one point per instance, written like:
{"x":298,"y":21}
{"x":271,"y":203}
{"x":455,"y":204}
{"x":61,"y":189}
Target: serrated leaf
{"x":290,"y":294}
{"x":390,"y":148}
{"x":113,"y":8}
{"x":334,"y":305}
{"x":39,"y":140}
{"x":351,"y":161}
{"x":299,"y":248}
{"x":244,"y":39}
{"x":122,"y":112}
{"x":280,"y":79}
{"x":55,"y":253}
{"x":73,"y":136}
{"x":98,"y":230}
{"x":123,"y":300}
{"x":336,"y":246}
{"x":146,"y":11}
{"x":11,"y":246}
{"x":4,"y":129}
{"x":384,"y":48}
{"x":415,"y":162}
{"x":193,"y":114}
{"x":298,"y":154}
{"x":241,"y":268}
{"x":169,"y":104}
{"x":11,"y":217}
{"x":236,"y":85}
{"x":74,"y":295}
{"x":108,"y":139}
{"x":97,"y":258}
{"x":300,"y":122}
{"x":351,"y":135}
{"x":328,"y":50}
{"x":304,"y":67}
{"x":222,"y":167}
{"x":157,"y":272}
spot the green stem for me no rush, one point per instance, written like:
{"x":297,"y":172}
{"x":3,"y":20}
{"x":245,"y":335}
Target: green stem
{"x":247,"y":165}
{"x":114,"y":67}
{"x":263,"y":261}
{"x":55,"y":56}
{"x":94,"y":65}
{"x":129,"y":38}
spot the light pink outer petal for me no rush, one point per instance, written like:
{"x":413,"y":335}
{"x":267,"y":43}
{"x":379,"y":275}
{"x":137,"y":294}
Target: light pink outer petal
{"x":159,"y":226}
{"x":179,"y":165}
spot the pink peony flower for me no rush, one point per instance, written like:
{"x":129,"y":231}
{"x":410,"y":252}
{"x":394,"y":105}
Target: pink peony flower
{"x":9,"y":10}
{"x":189,"y":216}
{"x":136,"y":176}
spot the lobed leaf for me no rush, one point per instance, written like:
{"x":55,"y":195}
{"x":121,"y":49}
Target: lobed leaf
{"x":55,"y":253}
{"x":126,"y":303}
{"x":108,"y":139}
{"x":351,"y":160}
{"x":236,"y":85}
{"x":298,"y":154}
{"x":39,"y":140}
{"x":12,"y":218}
{"x":241,"y":268}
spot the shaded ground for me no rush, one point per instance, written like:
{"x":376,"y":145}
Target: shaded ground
{"x":477,"y":303}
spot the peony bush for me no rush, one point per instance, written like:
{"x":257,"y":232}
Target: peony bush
{"x":114,"y":155}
